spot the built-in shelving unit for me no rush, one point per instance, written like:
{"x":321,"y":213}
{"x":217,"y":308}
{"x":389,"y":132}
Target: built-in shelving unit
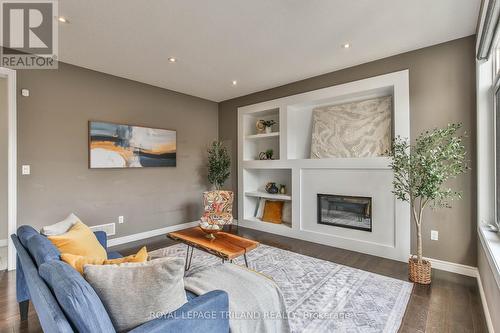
{"x":304,"y":178}
{"x":256,"y":142}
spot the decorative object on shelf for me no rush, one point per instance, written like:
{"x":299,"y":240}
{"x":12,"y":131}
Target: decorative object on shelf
{"x":218,"y":211}
{"x":266,"y":155}
{"x":126,"y":146}
{"x":356,"y":129}
{"x":282,"y":189}
{"x":260,"y":127}
{"x":271,"y":188}
{"x":267,"y":125}
{"x":219,"y":164}
{"x":273,"y":212}
{"x":269,"y":154}
{"x":421,"y":172}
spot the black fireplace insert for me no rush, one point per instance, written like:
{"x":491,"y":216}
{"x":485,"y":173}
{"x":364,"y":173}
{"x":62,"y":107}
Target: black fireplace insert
{"x":352,"y":212}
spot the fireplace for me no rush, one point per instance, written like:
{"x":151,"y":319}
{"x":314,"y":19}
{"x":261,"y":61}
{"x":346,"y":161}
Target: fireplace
{"x":345,"y":211}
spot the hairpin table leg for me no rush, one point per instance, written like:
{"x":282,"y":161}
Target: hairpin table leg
{"x":246,"y":261}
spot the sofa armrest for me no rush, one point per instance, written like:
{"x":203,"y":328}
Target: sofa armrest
{"x":102,"y":238}
{"x":208,"y":313}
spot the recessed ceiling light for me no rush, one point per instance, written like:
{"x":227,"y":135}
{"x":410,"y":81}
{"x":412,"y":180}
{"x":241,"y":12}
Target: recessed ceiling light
{"x":346,"y":46}
{"x":62,"y":19}
{"x":234,"y":82}
{"x":172,"y":59}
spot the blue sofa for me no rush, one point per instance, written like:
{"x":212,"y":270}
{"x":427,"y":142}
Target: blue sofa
{"x":65,"y":302}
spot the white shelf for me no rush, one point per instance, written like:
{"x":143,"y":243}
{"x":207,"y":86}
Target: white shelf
{"x":261,"y":194}
{"x":262,"y":135}
{"x":256,"y":222}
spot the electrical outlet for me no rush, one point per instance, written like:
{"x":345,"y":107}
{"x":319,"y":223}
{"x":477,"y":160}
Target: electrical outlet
{"x":121,"y":219}
{"x":434,"y":235}
{"x":26,"y":170}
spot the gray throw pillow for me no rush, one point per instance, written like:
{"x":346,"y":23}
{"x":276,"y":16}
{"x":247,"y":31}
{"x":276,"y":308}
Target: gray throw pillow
{"x":132,"y":292}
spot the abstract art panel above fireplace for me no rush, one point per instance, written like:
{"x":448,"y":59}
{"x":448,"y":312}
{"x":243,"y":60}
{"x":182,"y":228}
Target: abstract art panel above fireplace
{"x":355,"y":129}
{"x":345,"y":211}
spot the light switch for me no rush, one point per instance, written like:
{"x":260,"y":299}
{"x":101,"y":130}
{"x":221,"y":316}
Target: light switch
{"x":434,"y":235}
{"x":25,"y":92}
{"x":26,"y":170}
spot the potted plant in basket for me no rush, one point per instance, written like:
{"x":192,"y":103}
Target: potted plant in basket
{"x":421,"y":172}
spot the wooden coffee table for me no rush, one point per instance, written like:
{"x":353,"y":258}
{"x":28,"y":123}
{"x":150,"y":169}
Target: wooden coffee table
{"x":225,"y":246}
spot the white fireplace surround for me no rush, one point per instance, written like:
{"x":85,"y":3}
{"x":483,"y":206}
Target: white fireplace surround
{"x":305,"y":177}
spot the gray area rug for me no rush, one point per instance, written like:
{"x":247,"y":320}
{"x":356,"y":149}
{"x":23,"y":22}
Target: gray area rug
{"x":321,"y":296}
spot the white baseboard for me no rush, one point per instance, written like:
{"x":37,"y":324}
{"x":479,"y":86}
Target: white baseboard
{"x":3,"y":242}
{"x":151,"y":233}
{"x":453,"y":267}
{"x":468,"y":271}
{"x":487,"y":315}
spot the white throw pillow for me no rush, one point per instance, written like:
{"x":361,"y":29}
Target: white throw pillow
{"x":131,"y":292}
{"x":60,"y":228}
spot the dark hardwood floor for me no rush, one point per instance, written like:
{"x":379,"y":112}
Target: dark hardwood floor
{"x":451,"y":304}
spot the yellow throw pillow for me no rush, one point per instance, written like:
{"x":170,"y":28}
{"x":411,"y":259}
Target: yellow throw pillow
{"x":78,"y":262}
{"x":273,"y":211}
{"x":79,"y":240}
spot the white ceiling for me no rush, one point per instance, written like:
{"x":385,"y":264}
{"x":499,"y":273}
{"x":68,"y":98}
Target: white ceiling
{"x":260,"y":43}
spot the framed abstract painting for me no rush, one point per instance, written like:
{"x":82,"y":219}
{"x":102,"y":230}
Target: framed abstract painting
{"x":126,"y":146}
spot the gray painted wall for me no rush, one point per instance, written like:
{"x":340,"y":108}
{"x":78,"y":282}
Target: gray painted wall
{"x":442,"y":90}
{"x":4,"y":137}
{"x":52,"y":138}
{"x":491,"y":290}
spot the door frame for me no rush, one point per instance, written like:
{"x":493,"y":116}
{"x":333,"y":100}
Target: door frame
{"x":12,"y":163}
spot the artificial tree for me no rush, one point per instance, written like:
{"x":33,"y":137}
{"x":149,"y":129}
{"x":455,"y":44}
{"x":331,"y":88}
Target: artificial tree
{"x":421,"y":172}
{"x":219,"y":164}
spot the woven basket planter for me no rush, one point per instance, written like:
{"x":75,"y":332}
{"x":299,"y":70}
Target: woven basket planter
{"x":419,"y":272}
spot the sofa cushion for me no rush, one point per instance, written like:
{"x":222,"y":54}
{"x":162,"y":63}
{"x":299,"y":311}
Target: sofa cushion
{"x":76,"y":297}
{"x":42,"y":250}
{"x":79,"y":240}
{"x":131,"y":292}
{"x":24,"y":233}
{"x":60,"y":228}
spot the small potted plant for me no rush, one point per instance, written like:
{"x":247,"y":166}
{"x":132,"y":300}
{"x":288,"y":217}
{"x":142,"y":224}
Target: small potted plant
{"x":421,"y":172}
{"x":269,"y":154}
{"x":267,"y":125}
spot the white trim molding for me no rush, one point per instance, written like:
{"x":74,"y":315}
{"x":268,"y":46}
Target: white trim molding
{"x":151,"y":233}
{"x":486,"y":310}
{"x":453,"y":267}
{"x":12,"y":163}
{"x":490,"y":242}
{"x":468,"y":271}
